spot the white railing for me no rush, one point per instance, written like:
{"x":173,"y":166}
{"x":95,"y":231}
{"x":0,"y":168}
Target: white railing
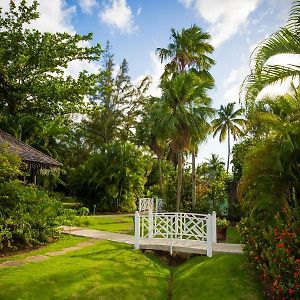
{"x":147,"y":204}
{"x":176,"y":226}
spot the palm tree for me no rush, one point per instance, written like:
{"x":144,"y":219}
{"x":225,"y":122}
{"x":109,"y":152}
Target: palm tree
{"x":285,"y":41}
{"x":189,"y":50}
{"x":181,"y":116}
{"x":228,"y":123}
{"x":215,"y":165}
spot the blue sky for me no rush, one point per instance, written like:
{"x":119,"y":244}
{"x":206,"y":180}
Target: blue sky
{"x":135,"y":28}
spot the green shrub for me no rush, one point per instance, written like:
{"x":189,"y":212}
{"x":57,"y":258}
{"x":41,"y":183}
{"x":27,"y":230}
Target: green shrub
{"x":28,"y":215}
{"x":83,"y":211}
{"x":9,"y":164}
{"x":114,"y":178}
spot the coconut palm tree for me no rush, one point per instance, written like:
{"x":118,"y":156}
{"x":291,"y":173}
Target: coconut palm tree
{"x":181,"y":116}
{"x":189,"y":50}
{"x":229,"y":122}
{"x":285,"y":41}
{"x":215,"y":165}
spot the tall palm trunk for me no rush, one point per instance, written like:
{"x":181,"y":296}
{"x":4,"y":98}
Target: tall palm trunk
{"x":193,"y":180}
{"x":160,"y":176}
{"x":228,"y":138}
{"x":179,"y":180}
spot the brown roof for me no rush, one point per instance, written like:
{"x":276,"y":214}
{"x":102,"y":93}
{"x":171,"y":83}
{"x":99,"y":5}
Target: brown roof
{"x":32,"y":157}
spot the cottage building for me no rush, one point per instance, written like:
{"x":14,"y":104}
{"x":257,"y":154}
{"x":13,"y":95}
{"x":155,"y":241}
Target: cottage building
{"x":34,"y":160}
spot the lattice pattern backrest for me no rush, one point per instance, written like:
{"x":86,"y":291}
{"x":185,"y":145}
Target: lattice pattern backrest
{"x":146,"y":204}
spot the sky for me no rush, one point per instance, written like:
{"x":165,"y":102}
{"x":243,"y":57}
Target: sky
{"x":135,"y":28}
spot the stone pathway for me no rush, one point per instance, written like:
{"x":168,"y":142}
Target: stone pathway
{"x":186,"y":246}
{"x":38,"y":258}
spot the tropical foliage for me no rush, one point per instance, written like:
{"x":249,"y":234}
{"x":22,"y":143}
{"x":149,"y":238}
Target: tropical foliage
{"x":114,"y":178}
{"x":267,"y":166}
{"x":285,"y":41}
{"x":28,"y":216}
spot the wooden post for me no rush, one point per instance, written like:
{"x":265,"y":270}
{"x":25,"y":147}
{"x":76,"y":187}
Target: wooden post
{"x":150,"y":224}
{"x":209,"y":240}
{"x":214,"y":227}
{"x":137,"y":230}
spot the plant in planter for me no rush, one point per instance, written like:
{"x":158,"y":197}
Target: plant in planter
{"x":222,"y":225}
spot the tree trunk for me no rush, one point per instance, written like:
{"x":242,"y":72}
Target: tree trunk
{"x":228,"y":158}
{"x":160,"y":176}
{"x":193,"y":180}
{"x":179,"y":181}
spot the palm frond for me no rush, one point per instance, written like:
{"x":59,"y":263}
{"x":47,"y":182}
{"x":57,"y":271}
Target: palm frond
{"x":254,"y":83}
{"x":282,"y":41}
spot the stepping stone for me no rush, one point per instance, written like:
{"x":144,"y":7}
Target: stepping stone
{"x":83,"y":244}
{"x":71,"y":249}
{"x":37,"y":258}
{"x":13,"y":263}
{"x":55,"y":253}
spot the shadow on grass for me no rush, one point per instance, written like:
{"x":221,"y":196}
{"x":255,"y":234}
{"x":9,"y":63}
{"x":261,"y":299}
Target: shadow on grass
{"x":101,"y":271}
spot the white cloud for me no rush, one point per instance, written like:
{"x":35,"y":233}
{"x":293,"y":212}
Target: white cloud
{"x":118,"y":15}
{"x":55,"y":16}
{"x":276,"y":89}
{"x":139,"y":11}
{"x":284,"y":59}
{"x":87,"y":5}
{"x":233,"y":82}
{"x":281,"y":88}
{"x":231,"y":78}
{"x":155,"y":74}
{"x":225,"y":17}
{"x":76,"y":66}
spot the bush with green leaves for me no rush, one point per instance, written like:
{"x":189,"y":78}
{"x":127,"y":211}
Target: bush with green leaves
{"x":28,"y":216}
{"x":9,"y":164}
{"x":114,"y":178}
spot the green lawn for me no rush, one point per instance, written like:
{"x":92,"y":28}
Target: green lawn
{"x":112,"y":223}
{"x":109,"y":270}
{"x":105,"y":270}
{"x":226,"y":277}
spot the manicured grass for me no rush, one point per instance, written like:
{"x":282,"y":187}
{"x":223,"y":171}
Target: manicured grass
{"x":64,"y":241}
{"x":112,"y":223}
{"x":226,"y":276}
{"x":108,"y":270}
{"x":105,"y":270}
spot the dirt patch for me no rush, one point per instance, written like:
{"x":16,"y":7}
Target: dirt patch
{"x":175,"y":259}
{"x":7,"y":252}
{"x":36,"y":258}
{"x":13,"y":263}
{"x":69,"y":249}
{"x":83,"y":244}
{"x":55,"y":253}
